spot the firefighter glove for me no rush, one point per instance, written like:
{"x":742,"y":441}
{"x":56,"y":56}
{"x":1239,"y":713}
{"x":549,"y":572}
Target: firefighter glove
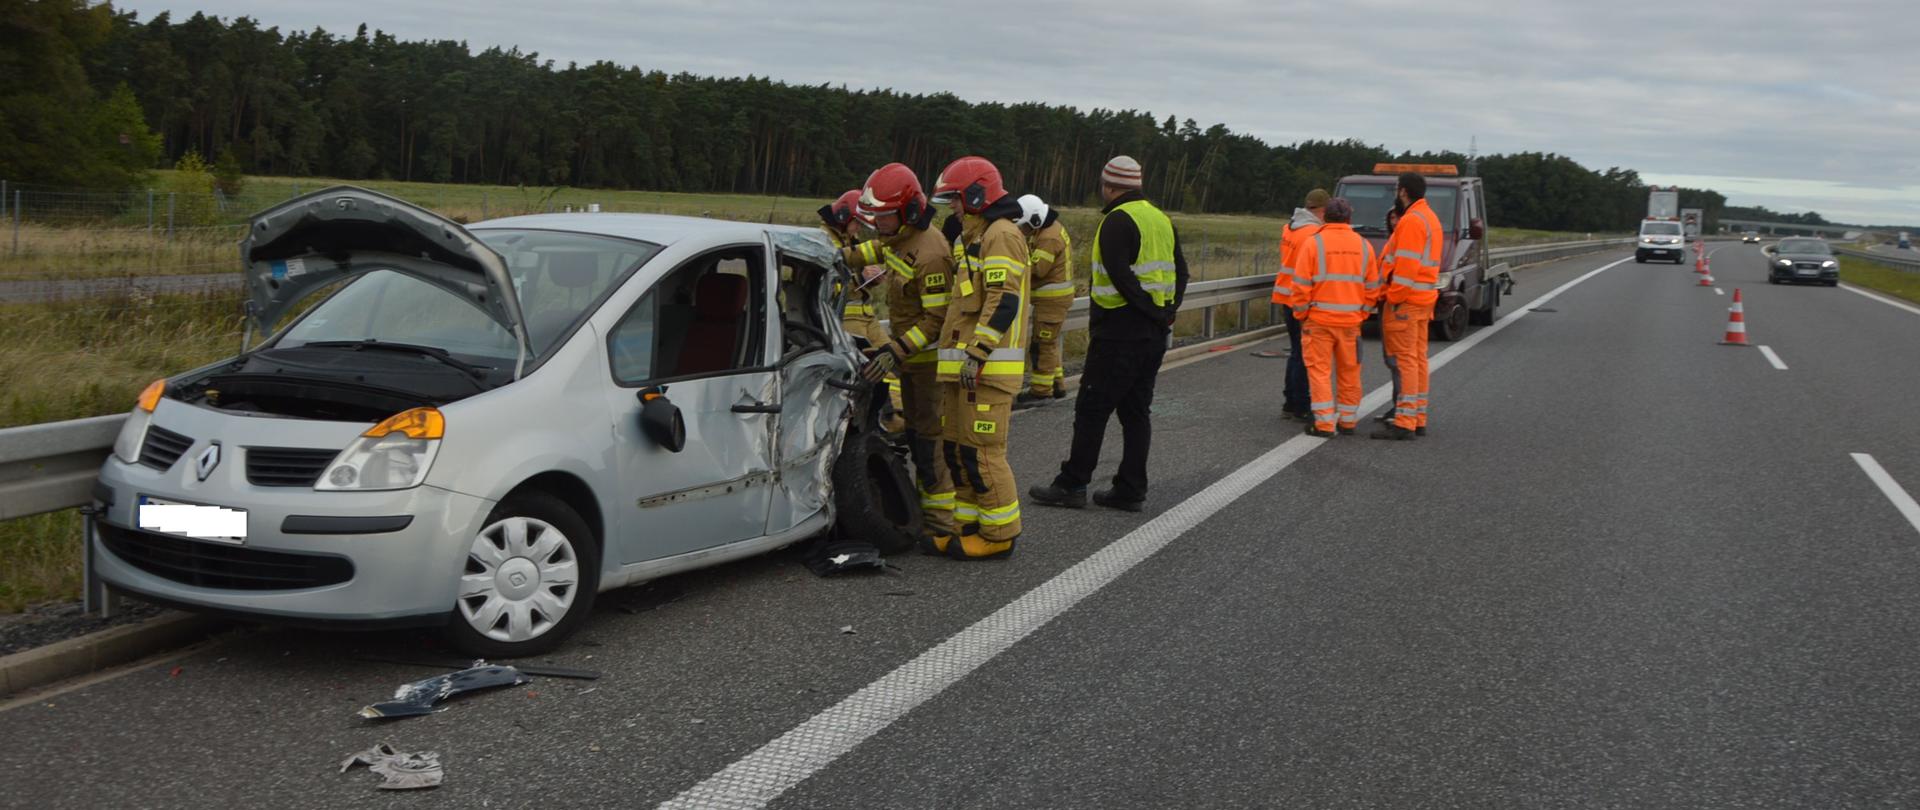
{"x":970,"y":368}
{"x":884,"y":360}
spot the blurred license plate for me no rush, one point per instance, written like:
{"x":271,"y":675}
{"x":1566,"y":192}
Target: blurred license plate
{"x":1806,"y":271}
{"x":217,"y":523}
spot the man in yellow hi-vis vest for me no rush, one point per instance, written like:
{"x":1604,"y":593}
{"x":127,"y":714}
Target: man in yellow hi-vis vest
{"x":983,"y":357}
{"x":1139,"y":279}
{"x":1051,"y":279}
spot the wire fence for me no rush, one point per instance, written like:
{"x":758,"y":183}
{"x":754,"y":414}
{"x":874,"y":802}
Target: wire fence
{"x":65,"y":234}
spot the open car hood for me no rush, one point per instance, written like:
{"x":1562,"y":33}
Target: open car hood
{"x":336,"y":233}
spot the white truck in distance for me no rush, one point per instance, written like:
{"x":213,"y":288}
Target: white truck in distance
{"x":1691,"y":219}
{"x":1663,"y":203}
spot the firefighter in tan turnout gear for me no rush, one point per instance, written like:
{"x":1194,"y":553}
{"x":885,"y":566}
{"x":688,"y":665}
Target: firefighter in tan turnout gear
{"x":983,"y":358}
{"x":861,"y":315}
{"x":1051,"y":280}
{"x":919,"y":272}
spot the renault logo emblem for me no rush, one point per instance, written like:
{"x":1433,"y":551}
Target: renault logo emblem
{"x":209,"y":459}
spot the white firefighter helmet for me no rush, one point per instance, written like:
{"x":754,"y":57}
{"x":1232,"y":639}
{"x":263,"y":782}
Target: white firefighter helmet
{"x":1033,"y":211}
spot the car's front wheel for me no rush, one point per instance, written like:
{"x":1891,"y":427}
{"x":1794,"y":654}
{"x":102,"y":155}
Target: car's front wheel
{"x":530,"y":579}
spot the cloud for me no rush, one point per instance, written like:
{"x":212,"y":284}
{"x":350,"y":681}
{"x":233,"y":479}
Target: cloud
{"x":1773,"y":91}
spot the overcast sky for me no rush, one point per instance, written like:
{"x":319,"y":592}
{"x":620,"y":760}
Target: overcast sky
{"x":1790,"y":104}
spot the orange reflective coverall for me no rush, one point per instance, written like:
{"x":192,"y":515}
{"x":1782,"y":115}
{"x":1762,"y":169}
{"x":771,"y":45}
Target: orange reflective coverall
{"x":1335,"y":282}
{"x":1411,"y":270}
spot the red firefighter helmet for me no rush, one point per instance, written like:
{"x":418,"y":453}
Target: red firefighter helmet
{"x":841,"y":211}
{"x":892,"y":188}
{"x":973,"y":180}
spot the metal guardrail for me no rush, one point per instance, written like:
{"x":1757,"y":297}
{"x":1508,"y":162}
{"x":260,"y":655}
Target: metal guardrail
{"x":1909,"y":264}
{"x":51,"y":466}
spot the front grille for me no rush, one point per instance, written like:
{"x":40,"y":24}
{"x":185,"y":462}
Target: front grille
{"x":163,"y":447}
{"x":1806,"y":266}
{"x":218,"y":565}
{"x":286,"y":466}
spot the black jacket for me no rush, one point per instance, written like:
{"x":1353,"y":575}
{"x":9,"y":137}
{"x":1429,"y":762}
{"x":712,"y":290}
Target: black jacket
{"x":1119,"y":248}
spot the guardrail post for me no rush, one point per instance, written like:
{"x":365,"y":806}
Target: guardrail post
{"x":171,"y":195}
{"x":1206,"y":328}
{"x":1245,"y":313}
{"x":16,"y":222}
{"x":483,"y":205}
{"x":96,"y":598}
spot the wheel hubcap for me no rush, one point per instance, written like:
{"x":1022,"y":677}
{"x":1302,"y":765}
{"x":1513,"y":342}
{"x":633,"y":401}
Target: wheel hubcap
{"x":521,"y":579}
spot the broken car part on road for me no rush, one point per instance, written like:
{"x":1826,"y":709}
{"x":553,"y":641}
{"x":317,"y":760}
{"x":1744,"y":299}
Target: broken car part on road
{"x":419,"y":697}
{"x":399,"y":770}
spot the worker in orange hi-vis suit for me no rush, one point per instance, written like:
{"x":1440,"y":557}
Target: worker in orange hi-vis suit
{"x":1411,"y":272}
{"x":1335,"y":282}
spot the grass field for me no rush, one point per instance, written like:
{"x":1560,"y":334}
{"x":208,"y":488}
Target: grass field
{"x":1876,"y":276}
{"x":99,"y":239}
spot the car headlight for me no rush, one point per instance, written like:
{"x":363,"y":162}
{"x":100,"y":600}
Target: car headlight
{"x":1829,"y":264}
{"x":394,"y":454}
{"x":1784,"y":262}
{"x":133,"y":432}
{"x":1445,"y":282}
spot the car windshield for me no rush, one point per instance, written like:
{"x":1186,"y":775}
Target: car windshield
{"x":1660,"y":229}
{"x":1812,"y":246}
{"x":559,"y":278}
{"x":1372,"y":201}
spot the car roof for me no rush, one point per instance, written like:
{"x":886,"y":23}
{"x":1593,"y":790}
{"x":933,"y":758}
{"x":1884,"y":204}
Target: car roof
{"x":660,"y":229}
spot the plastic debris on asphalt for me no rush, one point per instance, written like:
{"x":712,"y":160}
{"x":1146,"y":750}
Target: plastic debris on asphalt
{"x":419,"y":697}
{"x":399,"y":770}
{"x":838,"y":558}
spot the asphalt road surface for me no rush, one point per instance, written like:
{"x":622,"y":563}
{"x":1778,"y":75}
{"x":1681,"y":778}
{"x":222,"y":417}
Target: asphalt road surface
{"x":1629,"y":568}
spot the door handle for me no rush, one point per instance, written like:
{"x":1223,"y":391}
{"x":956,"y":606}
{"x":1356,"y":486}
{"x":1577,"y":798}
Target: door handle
{"x":756,"y":407}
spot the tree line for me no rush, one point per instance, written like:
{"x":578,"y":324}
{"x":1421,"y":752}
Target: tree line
{"x":372,"y":106}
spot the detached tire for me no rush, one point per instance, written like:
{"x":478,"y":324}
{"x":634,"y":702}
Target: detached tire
{"x":874,"y":497}
{"x":530,"y":578}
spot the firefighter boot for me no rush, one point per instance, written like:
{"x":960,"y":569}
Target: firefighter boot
{"x":971,"y":547}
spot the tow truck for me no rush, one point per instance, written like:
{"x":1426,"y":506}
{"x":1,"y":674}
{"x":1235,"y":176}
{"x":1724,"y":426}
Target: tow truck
{"x":1470,"y":286}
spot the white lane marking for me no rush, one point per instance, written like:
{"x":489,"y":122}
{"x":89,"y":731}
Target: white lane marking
{"x":1718,"y":291}
{"x":1881,"y":298}
{"x":1773,"y":358}
{"x":774,"y":768}
{"x":1890,"y":488}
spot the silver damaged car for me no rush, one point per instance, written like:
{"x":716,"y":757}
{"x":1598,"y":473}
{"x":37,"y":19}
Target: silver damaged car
{"x":483,"y":427}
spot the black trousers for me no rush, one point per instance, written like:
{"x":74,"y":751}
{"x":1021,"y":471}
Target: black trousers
{"x":1119,"y":376}
{"x":1294,"y":396}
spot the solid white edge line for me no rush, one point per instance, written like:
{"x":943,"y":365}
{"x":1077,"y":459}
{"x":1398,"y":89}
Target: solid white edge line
{"x":771,"y":770}
{"x":1890,"y":488}
{"x":1881,"y":298}
{"x":1773,"y":358}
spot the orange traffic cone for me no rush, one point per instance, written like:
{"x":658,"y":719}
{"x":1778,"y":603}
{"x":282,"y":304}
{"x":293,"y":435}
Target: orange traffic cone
{"x":1736,"y":323}
{"x":1700,"y":263}
{"x":1706,"y":280}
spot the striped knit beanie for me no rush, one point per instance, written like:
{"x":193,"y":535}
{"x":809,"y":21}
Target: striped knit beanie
{"x":1121,"y":171}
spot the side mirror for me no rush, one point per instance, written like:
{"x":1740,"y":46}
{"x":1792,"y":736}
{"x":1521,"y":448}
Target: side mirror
{"x":1476,"y":229}
{"x":660,"y":419}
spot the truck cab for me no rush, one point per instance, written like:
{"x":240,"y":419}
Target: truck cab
{"x":1470,"y":286}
